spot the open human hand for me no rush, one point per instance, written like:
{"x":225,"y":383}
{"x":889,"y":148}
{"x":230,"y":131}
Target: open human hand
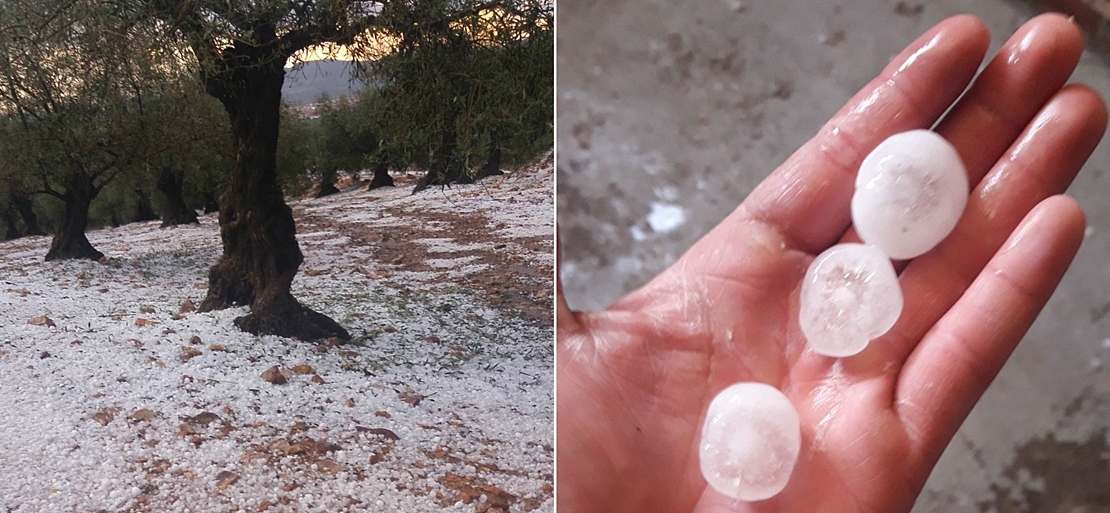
{"x":634,"y":381}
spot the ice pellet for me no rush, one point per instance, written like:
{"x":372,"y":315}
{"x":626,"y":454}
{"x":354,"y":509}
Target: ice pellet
{"x":750,"y":441}
{"x":850,"y":295}
{"x":910,"y":191}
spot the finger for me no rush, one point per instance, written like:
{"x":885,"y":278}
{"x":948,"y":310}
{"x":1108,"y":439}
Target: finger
{"x":1031,"y":66}
{"x":959,"y":358}
{"x":806,"y":198}
{"x":1042,"y":162}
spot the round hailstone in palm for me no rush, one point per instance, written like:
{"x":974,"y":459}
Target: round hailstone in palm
{"x":910,"y":191}
{"x":850,"y":295}
{"x":750,"y":442}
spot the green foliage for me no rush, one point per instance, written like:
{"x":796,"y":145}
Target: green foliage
{"x":511,"y":104}
{"x":294,"y":153}
{"x":354,"y":134}
{"x":457,"y":87}
{"x":186,"y":131}
{"x":468,"y":87}
{"x":345,"y":135}
{"x":192,"y":134}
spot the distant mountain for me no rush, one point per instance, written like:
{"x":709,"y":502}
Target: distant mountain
{"x":304,"y":84}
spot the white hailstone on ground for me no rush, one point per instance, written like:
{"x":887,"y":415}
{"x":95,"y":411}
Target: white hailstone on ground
{"x":850,"y":295}
{"x":750,"y":441}
{"x":910,"y":191}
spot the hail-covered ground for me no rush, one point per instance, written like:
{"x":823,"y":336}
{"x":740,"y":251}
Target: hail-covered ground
{"x":114,"y":397}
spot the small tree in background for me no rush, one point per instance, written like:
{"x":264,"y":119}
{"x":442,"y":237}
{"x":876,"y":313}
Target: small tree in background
{"x":17,"y":201}
{"x":195,"y":150}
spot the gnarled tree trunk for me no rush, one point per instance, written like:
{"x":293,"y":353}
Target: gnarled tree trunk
{"x":170,"y":185}
{"x":211,"y":204}
{"x":446,"y":168}
{"x":381,"y":177}
{"x":327,"y":184}
{"x":69,"y":241}
{"x":13,"y":230}
{"x":25,"y":207}
{"x":493,"y":165}
{"x":143,"y":210}
{"x":261,"y":254}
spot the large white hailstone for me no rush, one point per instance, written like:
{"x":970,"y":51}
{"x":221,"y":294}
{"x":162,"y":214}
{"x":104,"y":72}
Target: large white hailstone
{"x":910,"y":191}
{"x":850,"y":295}
{"x":750,"y":442}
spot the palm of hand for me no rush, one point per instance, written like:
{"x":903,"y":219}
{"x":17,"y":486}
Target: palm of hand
{"x":634,"y":381}
{"x":697,"y":350}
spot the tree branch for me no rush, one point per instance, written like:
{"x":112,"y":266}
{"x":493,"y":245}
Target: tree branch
{"x":46,"y":188}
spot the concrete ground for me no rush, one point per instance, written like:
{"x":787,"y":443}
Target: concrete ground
{"x":669,"y":113}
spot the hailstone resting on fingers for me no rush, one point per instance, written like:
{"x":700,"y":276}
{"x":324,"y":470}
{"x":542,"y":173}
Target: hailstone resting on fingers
{"x":750,"y":442}
{"x":850,"y":295}
{"x":910,"y":192}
